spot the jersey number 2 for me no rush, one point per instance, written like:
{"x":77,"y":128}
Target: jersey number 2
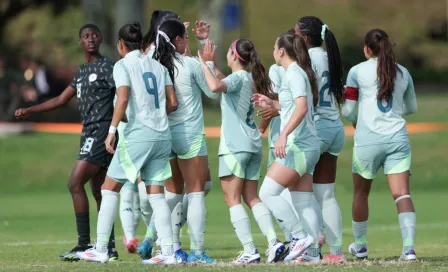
{"x":151,"y":87}
{"x":325,"y":87}
{"x":249,"y":120}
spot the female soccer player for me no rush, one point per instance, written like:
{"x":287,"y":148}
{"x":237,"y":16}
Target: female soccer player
{"x":297,"y":148}
{"x":240,"y":143}
{"x":327,"y":66}
{"x":386,"y":92}
{"x":146,"y":146}
{"x":94,"y":88}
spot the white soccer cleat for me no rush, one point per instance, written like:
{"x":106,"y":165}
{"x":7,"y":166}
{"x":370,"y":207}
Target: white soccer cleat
{"x":305,"y":258}
{"x":298,"y":246}
{"x":161,"y":259}
{"x":92,"y":255}
{"x":359,"y":253}
{"x":247,"y":258}
{"x":408,"y":256}
{"x":274,"y":253}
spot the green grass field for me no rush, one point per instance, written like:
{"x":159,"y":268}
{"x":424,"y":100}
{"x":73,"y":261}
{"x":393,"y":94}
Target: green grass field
{"x":37,"y":220}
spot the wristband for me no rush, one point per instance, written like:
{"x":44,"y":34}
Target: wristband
{"x":112,"y":129}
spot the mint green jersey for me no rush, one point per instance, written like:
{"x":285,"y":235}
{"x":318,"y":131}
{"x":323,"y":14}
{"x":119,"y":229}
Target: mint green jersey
{"x":189,"y":84}
{"x":276,"y":74}
{"x":327,"y":107}
{"x":146,"y":79}
{"x":381,"y":122}
{"x":296,"y":84}
{"x":239,"y":133}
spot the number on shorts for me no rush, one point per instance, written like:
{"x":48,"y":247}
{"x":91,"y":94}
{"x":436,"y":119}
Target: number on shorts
{"x":385,"y":108}
{"x":151,"y":87}
{"x":87,"y":145}
{"x":325,"y":88}
{"x":250,"y":120}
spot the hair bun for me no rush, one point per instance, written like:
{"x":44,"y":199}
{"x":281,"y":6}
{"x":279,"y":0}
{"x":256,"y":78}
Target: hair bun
{"x":135,"y":27}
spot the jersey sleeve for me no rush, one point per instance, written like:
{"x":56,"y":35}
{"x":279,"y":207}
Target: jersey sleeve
{"x":275,"y":78}
{"x":75,"y":79}
{"x":352,"y":78}
{"x":297,"y":85}
{"x":410,"y":99}
{"x":199,"y":78}
{"x":233,"y":83}
{"x":110,"y":77}
{"x":120,"y":75}
{"x":168,"y":80}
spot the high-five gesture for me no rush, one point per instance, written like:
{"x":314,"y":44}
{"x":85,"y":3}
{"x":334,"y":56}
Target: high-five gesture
{"x":201,"y":30}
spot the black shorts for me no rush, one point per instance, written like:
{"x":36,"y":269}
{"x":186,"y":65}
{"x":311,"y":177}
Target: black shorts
{"x":92,"y":147}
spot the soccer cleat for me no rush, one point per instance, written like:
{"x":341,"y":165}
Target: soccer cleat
{"x":131,"y":245}
{"x":181,"y":256}
{"x":408,"y":256}
{"x":145,"y":249}
{"x":203,"y":258}
{"x":274,"y":253}
{"x":330,"y":258}
{"x":92,"y":255}
{"x":305,"y":258}
{"x":113,"y":254}
{"x":71,"y":254}
{"x":359,"y":253}
{"x":298,"y":246}
{"x":161,"y":259}
{"x":247,"y":258}
{"x":286,"y":252}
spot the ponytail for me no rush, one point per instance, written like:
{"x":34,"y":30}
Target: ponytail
{"x":157,"y":18}
{"x":317,"y":32}
{"x":304,"y":61}
{"x":245,"y":51}
{"x":378,"y":42}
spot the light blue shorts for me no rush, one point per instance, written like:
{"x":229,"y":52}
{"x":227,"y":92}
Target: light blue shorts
{"x":303,"y":162}
{"x":244,"y":165}
{"x":331,"y":135}
{"x":187,"y":146}
{"x":148,"y":158}
{"x":395,"y":158}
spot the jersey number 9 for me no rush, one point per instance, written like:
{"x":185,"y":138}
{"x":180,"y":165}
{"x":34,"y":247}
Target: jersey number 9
{"x":151,"y":87}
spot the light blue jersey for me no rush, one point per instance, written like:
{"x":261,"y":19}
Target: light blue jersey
{"x":276,"y":74}
{"x":380,"y":122}
{"x":146,"y":78}
{"x":327,"y":107}
{"x":239,"y":133}
{"x":189,"y":84}
{"x":296,"y":84}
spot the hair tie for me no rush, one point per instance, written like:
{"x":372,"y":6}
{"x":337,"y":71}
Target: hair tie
{"x":233,"y":48}
{"x":167,"y":39}
{"x":322,"y":33}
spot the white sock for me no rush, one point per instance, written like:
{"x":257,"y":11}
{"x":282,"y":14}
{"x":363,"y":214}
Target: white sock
{"x":106,"y":218}
{"x":174,"y":200}
{"x":303,"y":202}
{"x":360,"y":233}
{"x":184,"y":210}
{"x":145,"y":207}
{"x":264,"y":220}
{"x":127,"y":211}
{"x":136,"y":210}
{"x":151,"y":233}
{"x":408,"y":222}
{"x":331,"y":214}
{"x":270,"y":195}
{"x":162,"y":220}
{"x":241,"y":223}
{"x":196,"y":221}
{"x":287,"y":196}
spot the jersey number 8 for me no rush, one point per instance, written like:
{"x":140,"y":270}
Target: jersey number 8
{"x":151,"y":87}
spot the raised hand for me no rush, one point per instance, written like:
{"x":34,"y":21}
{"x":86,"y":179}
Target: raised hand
{"x":201,"y":30}
{"x":268,"y":112}
{"x":209,"y":51}
{"x":260,"y":100}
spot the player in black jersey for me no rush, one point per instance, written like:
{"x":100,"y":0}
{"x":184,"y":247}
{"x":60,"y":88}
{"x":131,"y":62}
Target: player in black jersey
{"x":94,"y":88}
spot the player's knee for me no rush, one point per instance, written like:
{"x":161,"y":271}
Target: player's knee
{"x":75,"y":186}
{"x":232,"y":198}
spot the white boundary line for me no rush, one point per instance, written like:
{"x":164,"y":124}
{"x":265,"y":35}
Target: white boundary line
{"x":345,"y":230}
